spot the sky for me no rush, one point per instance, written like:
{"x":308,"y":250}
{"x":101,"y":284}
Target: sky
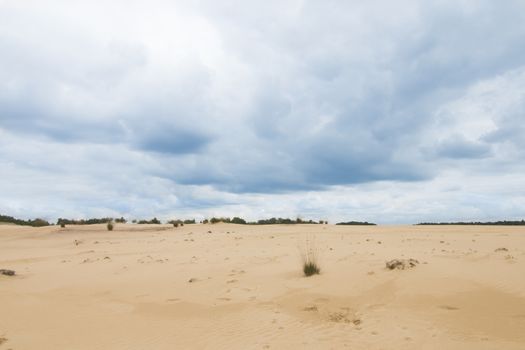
{"x":385,"y":111}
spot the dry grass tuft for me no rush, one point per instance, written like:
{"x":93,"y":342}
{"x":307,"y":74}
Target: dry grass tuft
{"x":310,"y":258}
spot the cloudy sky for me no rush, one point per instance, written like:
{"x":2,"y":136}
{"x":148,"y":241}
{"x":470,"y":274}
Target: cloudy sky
{"x":386,"y":111}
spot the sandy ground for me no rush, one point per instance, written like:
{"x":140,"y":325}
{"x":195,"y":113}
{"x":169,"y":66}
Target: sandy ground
{"x":241,"y":287}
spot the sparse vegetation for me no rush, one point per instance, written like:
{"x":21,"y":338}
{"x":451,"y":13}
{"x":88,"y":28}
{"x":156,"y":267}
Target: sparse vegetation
{"x":238,"y":220}
{"x":234,"y":220}
{"x":91,"y":221}
{"x":175,"y":223}
{"x":282,"y":221}
{"x":62,"y":224}
{"x":491,"y":223}
{"x":110,"y":226}
{"x":152,"y":221}
{"x":271,"y":221}
{"x":181,"y":222}
{"x":357,"y":223}
{"x":310,"y":258}
{"x":35,"y":222}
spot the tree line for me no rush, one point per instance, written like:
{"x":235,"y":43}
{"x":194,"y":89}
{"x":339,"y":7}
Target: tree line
{"x":35,"y":222}
{"x":486,"y":223}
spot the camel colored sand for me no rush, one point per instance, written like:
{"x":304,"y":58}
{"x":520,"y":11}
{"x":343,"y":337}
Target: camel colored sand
{"x":242,"y":287}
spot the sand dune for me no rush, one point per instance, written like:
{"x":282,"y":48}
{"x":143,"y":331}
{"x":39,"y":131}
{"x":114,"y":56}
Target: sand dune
{"x":241,"y":287}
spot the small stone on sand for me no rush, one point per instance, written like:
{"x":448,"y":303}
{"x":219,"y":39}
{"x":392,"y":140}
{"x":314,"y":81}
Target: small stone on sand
{"x":7,"y":272}
{"x":401,"y":264}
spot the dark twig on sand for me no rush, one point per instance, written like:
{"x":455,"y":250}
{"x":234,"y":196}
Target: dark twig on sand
{"x":7,"y":272}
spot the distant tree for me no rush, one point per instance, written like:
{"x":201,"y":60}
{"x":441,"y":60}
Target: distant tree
{"x":486,"y":223}
{"x":84,"y":221}
{"x":35,"y":222}
{"x":356,"y":223}
{"x":152,"y":221}
{"x":238,"y":220}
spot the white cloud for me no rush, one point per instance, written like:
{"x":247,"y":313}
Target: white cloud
{"x":372,"y":110}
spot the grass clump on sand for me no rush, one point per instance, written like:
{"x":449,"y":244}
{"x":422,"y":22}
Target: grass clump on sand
{"x":110,"y":226}
{"x":311,"y":268}
{"x":310,"y":258}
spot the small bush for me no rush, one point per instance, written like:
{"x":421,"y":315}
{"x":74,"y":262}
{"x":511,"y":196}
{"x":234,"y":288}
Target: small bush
{"x":311,"y":268}
{"x":110,"y":226}
{"x":62,"y":224}
{"x":176,"y":224}
{"x":310,"y":258}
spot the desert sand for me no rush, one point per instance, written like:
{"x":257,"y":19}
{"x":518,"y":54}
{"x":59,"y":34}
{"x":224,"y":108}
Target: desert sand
{"x":241,"y":287}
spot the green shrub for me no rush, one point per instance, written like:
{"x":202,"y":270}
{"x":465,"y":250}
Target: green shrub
{"x":311,"y":268}
{"x":310,"y":258}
